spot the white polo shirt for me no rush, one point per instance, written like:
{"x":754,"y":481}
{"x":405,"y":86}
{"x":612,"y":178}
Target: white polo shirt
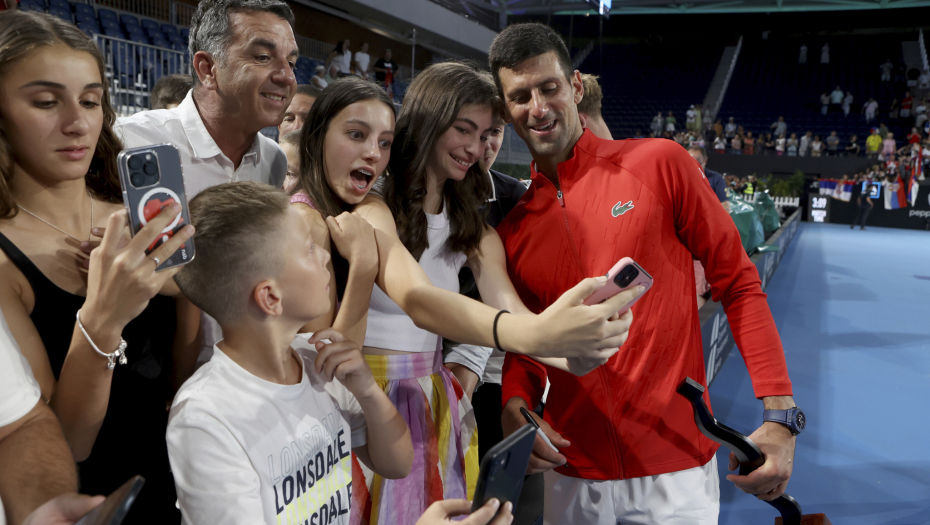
{"x":204,"y":163}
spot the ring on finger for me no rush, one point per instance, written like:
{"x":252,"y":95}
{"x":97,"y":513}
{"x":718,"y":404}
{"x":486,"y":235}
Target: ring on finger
{"x":157,"y":261}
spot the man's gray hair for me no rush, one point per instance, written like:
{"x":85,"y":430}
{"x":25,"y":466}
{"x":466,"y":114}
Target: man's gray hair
{"x":211,"y":31}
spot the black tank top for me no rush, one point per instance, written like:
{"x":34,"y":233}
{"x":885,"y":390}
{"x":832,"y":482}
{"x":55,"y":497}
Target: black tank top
{"x":132,"y":438}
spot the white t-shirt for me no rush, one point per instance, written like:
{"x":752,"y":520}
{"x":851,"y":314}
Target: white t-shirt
{"x":246,"y":451}
{"x":344,"y":62}
{"x":363,"y":60}
{"x":690,"y":115}
{"x":19,"y":390}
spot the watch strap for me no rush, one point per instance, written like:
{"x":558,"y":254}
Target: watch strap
{"x":782,"y":416}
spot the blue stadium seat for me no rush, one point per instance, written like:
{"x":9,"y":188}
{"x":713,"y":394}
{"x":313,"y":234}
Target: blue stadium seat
{"x":63,"y":5}
{"x":139,"y":38}
{"x":186,"y":33}
{"x":37,"y":6}
{"x":115,"y":32}
{"x":111,"y":23}
{"x":160,"y":42}
{"x":304,"y":64}
{"x":91,"y":27}
{"x":61,"y":13}
{"x":85,"y":9}
{"x":179,"y":46}
{"x":150,"y":25}
{"x":129,"y":20}
{"x":169,"y":29}
{"x":106,"y":14}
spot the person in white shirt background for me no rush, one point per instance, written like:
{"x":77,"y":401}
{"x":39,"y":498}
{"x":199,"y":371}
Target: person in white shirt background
{"x":318,"y":79}
{"x":340,"y":57}
{"x":886,"y":68}
{"x":847,"y":103}
{"x":362,"y":61}
{"x":804,"y":144}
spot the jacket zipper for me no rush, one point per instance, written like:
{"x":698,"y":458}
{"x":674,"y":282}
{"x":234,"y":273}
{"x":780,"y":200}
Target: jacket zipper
{"x":604,"y":378}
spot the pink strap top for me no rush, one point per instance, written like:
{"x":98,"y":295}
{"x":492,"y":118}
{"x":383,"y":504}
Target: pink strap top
{"x":302,"y":197}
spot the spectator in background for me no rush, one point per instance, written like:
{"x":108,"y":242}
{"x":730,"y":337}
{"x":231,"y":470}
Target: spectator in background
{"x":298,"y":109}
{"x":589,"y":109}
{"x":816,"y":147}
{"x":318,"y":79}
{"x":802,"y":54}
{"x":749,"y":144}
{"x":882,"y":129}
{"x":670,"y":122}
{"x":792,"y":146}
{"x":736,"y":144}
{"x":386,"y":73}
{"x":824,"y":103}
{"x":779,"y":127}
{"x":719,"y":185}
{"x":170,"y":90}
{"x":825,"y":54}
{"x":865,"y":204}
{"x":691,"y":122}
{"x":290,"y":143}
{"x":769,"y":144}
{"x":836,"y":99}
{"x":332,"y":74}
{"x":886,"y":68}
{"x":914,"y":136}
{"x":852,"y":148}
{"x":920,"y":114}
{"x":889,"y":146}
{"x":718,"y":127}
{"x":340,"y":57}
{"x":869,"y":109}
{"x":847,"y":103}
{"x":731,"y":128}
{"x":362,"y":61}
{"x":658,"y":124}
{"x":780,"y":143}
{"x":720,"y":144}
{"x":894,"y":109}
{"x":805,"y":143}
{"x":906,"y":104}
{"x":699,"y":117}
{"x":833,"y":144}
{"x":873,"y":143}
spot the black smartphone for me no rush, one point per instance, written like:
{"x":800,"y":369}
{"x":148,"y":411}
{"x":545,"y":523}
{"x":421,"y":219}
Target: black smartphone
{"x":151,"y":178}
{"x":114,"y":509}
{"x":503,"y":469}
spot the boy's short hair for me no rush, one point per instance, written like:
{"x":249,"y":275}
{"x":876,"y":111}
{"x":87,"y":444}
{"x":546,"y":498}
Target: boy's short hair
{"x":591,"y":103}
{"x":521,"y":42}
{"x":291,"y":137}
{"x":170,"y":89}
{"x":239,"y":240}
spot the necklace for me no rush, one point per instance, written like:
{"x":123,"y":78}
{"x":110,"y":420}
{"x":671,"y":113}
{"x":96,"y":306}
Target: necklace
{"x":59,"y":229}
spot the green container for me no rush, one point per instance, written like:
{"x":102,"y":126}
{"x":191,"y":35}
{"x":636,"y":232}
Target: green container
{"x":747,"y":222}
{"x":768,"y":215}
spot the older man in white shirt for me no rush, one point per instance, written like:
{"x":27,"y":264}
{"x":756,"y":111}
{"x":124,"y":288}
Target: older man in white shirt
{"x":242,"y":61}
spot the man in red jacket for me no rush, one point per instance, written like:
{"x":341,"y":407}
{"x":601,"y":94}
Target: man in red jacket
{"x":629,"y":449}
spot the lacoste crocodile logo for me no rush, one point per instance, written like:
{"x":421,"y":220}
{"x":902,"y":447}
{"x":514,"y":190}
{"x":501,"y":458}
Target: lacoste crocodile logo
{"x":620,"y":208}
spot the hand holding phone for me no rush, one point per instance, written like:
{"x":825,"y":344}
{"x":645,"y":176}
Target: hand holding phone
{"x":504,"y":467}
{"x":152,"y":179}
{"x":116,"y":506}
{"x":624,"y":275}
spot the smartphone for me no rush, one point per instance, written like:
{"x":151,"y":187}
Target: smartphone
{"x":114,"y":509}
{"x":503,"y":469}
{"x":151,"y":178}
{"x":624,"y":275}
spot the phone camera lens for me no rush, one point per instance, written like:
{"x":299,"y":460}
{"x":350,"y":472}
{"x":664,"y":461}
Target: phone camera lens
{"x":135,"y":163}
{"x":150,"y":168}
{"x":626,"y":276}
{"x":137,"y":179}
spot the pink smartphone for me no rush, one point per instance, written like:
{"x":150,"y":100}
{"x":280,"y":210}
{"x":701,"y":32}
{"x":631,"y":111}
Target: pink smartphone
{"x":625,"y":274}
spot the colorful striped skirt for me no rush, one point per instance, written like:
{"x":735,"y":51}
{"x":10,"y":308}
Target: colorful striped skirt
{"x":445,"y":442}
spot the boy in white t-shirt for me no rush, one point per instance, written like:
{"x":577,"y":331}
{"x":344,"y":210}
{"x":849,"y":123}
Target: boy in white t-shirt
{"x":262,"y":433}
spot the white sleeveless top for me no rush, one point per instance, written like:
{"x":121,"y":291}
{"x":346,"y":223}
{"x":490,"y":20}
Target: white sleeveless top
{"x":388,"y":326}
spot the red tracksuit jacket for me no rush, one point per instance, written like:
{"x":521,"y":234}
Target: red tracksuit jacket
{"x":646,"y":199}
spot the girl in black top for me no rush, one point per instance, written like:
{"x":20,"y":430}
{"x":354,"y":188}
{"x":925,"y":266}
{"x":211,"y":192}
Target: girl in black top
{"x":58,"y":190}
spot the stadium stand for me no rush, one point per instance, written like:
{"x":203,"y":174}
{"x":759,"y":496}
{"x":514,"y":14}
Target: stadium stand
{"x":640,"y":80}
{"x":768,"y":82}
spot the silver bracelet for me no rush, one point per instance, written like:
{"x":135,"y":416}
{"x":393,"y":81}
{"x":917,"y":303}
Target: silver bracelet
{"x":119,"y":353}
